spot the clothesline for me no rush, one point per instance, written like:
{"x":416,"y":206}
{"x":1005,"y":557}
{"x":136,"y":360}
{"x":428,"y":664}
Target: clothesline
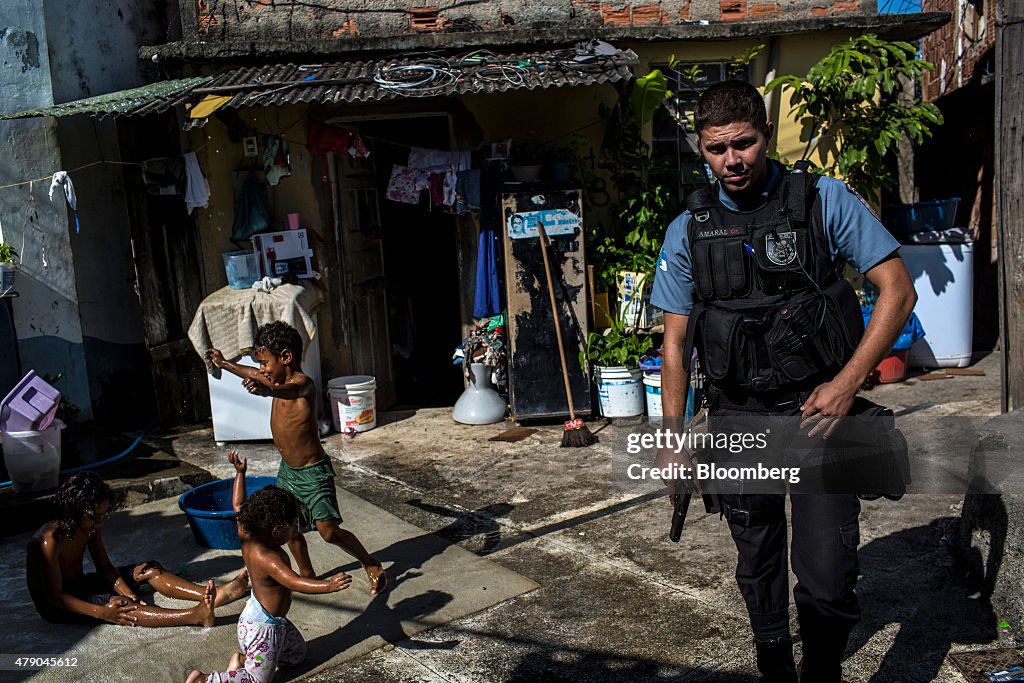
{"x":80,"y":168}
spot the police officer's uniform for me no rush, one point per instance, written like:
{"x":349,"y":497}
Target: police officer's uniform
{"x":772,"y":318}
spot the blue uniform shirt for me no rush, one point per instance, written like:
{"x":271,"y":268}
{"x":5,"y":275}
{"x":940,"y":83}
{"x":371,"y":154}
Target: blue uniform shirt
{"x":852,"y":231}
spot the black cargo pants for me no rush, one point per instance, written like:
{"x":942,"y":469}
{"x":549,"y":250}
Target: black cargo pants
{"x":826,"y":533}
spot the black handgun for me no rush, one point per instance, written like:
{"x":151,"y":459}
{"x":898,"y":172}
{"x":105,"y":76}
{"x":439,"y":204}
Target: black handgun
{"x":679,"y":510}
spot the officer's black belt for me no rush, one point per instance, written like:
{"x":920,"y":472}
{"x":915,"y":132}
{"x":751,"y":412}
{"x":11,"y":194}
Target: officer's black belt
{"x":749,"y":518}
{"x":759,"y":402}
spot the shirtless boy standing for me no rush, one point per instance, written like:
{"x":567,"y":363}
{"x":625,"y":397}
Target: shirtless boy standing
{"x":265,"y":635}
{"x":305,"y":468}
{"x":64,"y":594}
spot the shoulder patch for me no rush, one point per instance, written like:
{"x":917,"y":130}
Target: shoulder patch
{"x":863,"y":202}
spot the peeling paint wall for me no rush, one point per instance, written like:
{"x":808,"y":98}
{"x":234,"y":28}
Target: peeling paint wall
{"x":294,"y":20}
{"x":77,"y":314}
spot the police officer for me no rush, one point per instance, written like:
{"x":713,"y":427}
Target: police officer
{"x":752,"y":272}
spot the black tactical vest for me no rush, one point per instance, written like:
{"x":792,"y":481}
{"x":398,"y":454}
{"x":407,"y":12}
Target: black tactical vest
{"x":772,"y":311}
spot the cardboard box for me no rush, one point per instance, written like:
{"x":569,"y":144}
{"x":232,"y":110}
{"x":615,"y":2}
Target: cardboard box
{"x":284,"y":253}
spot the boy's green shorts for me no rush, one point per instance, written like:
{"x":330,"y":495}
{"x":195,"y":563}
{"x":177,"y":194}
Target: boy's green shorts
{"x":313,"y":485}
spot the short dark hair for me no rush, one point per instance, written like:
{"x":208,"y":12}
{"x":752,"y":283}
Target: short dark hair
{"x":268,"y":509}
{"x":77,"y":495}
{"x":730,"y":102}
{"x":278,"y":336}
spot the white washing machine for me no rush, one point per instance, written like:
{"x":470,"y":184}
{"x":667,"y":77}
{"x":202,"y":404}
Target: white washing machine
{"x":240,"y":416}
{"x":941,"y":264}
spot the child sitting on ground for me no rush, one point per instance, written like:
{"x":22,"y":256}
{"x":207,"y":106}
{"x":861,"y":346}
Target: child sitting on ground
{"x":64,"y":594}
{"x":267,"y":638}
{"x":305,"y":468}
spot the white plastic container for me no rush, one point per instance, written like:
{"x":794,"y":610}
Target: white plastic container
{"x":240,"y":416}
{"x":33,"y":458}
{"x":353,"y":402}
{"x":620,"y":391}
{"x":943,"y":274}
{"x":652,"y":392}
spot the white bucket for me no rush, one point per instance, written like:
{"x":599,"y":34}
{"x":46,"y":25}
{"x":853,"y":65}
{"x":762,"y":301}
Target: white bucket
{"x":33,"y":458}
{"x":619,"y":391}
{"x":652,"y":391}
{"x":353,"y":402}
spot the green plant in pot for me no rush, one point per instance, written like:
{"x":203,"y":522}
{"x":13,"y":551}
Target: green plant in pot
{"x":8,"y":266}
{"x":615,"y":358}
{"x":615,"y":347}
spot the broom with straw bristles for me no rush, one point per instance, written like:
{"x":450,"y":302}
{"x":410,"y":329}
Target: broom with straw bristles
{"x":575,"y":434}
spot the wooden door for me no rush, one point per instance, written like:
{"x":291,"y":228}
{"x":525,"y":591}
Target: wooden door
{"x":168,"y":269}
{"x":358,"y":231}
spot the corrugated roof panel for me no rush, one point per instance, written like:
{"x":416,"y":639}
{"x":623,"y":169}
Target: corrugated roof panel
{"x":419,"y":75}
{"x":152,"y":98}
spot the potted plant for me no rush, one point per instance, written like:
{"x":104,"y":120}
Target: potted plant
{"x":8,"y":266}
{"x":527,"y":160}
{"x":615,"y":357}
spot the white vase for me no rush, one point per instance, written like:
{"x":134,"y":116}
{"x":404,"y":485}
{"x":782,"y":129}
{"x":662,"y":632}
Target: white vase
{"x":479,"y":404}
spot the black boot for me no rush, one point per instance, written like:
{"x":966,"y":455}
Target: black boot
{"x":822,"y":660}
{"x":775,"y":660}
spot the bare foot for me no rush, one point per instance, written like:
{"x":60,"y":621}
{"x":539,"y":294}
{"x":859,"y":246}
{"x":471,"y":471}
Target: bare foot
{"x":204,"y":610}
{"x":237,"y":661}
{"x":196,"y":677}
{"x":378,"y":579}
{"x":233,"y":590}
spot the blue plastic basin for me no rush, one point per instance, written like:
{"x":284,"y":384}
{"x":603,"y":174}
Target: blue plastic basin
{"x":209,"y":512}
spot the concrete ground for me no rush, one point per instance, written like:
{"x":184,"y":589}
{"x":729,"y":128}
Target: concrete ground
{"x":617,"y":600}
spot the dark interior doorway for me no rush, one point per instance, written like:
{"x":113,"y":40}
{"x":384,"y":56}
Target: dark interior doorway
{"x":421,"y":268}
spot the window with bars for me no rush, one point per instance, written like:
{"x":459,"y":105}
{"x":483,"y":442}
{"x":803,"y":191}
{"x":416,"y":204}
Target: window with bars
{"x":673,"y":138}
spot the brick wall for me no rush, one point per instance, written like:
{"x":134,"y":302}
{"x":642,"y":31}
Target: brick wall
{"x":960,"y":49}
{"x":253,"y":20}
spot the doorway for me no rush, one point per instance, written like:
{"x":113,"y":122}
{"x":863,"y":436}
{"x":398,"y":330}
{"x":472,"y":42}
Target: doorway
{"x":418,"y":247}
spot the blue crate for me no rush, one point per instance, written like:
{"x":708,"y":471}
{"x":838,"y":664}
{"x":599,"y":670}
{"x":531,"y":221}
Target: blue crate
{"x":903,"y":219}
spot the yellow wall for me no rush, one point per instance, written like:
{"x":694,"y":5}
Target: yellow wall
{"x":556,"y":115}
{"x":220,"y":158}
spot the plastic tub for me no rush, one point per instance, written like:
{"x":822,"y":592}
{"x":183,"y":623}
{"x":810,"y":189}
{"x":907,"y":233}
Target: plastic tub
{"x":893,"y":368}
{"x":33,"y":458}
{"x":30,"y":406}
{"x":902,"y":219}
{"x":652,"y":392}
{"x":620,"y":391}
{"x":353,"y":403}
{"x":242,"y":268}
{"x":943,"y":273}
{"x":209,"y":512}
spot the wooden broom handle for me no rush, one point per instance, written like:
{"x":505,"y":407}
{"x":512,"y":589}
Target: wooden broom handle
{"x":554,"y":313}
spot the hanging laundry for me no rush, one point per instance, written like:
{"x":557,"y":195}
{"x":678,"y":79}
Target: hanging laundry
{"x":406,"y":185}
{"x":358,"y":148}
{"x":252,"y":210}
{"x":435,"y":183}
{"x":487,"y":297}
{"x":164,"y":175}
{"x":323,"y":138}
{"x":277,"y":160}
{"x":197,"y":190}
{"x":439,"y":160}
{"x":467,"y":191}
{"x":63,"y":180}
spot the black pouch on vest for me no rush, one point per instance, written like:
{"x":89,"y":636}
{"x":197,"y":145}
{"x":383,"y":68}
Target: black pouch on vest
{"x":722,"y":347}
{"x":845,"y":322}
{"x":795,"y":344}
{"x":721,"y":269}
{"x":867,"y":455}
